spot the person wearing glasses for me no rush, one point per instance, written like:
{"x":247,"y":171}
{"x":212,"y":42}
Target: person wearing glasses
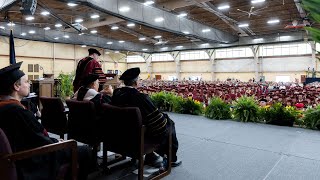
{"x":25,"y":132}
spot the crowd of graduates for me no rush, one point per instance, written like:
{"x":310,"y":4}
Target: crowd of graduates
{"x":289,"y":94}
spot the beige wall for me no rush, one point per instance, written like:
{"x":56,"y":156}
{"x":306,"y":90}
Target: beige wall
{"x":55,"y":57}
{"x":196,"y":66}
{"x":236,"y":75}
{"x":163,"y":67}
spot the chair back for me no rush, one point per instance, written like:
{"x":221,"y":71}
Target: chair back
{"x":53,"y":115}
{"x":124,"y":129}
{"x":8,"y":169}
{"x":82,"y":122}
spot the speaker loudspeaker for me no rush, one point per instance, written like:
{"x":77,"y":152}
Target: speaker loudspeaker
{"x":28,"y":7}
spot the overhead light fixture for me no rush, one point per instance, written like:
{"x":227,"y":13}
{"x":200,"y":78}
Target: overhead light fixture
{"x":11,"y":24}
{"x":29,"y":18}
{"x":159,"y":19}
{"x":93,"y":31}
{"x":161,"y":42}
{"x":130,"y":24}
{"x":124,"y":9}
{"x":78,"y":20}
{"x":45,"y":13}
{"x":32,"y":32}
{"x":158,"y":37}
{"x":109,"y":42}
{"x":114,"y":27}
{"x":258,"y":39}
{"x":58,"y":25}
{"x":23,"y":34}
{"x":72,"y":4}
{"x":186,"y":32}
{"x":273,"y":21}
{"x":243,"y":25}
{"x":47,"y":28}
{"x":144,"y":49}
{"x":205,"y":44}
{"x":179,"y":47}
{"x":285,"y":37}
{"x":206,"y":30}
{"x":257,"y":1}
{"x":121,"y":41}
{"x":163,"y":48}
{"x":116,"y":52}
{"x":142,"y":39}
{"x":94,"y":16}
{"x":223,"y":7}
{"x":56,"y":38}
{"x":66,"y":36}
{"x":84,"y":46}
{"x":182,"y":15}
{"x":80,"y":34}
{"x":2,"y":27}
{"x":148,"y":3}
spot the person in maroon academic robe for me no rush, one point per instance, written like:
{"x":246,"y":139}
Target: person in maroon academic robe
{"x":86,"y":66}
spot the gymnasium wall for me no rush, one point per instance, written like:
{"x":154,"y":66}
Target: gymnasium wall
{"x":242,"y":68}
{"x":54,"y":57}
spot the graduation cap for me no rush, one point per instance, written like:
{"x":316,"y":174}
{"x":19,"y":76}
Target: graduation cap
{"x":10,"y":74}
{"x":89,"y":79}
{"x":299,"y":105}
{"x":262,"y":99}
{"x":92,"y":51}
{"x":130,"y":74}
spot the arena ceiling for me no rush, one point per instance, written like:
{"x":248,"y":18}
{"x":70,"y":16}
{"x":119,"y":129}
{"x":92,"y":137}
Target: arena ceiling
{"x":158,"y":25}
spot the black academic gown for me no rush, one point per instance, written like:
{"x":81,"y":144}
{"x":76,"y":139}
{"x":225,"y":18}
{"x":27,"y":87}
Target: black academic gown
{"x":153,"y":119}
{"x":25,"y":132}
{"x":156,"y":122}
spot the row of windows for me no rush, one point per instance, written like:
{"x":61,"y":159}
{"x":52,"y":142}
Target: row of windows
{"x":265,"y":50}
{"x":285,"y":49}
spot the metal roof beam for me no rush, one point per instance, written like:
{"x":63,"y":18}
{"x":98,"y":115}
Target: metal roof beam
{"x":146,"y":15}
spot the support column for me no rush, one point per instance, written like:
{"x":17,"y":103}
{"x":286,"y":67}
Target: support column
{"x":176,"y":56}
{"x":148,"y":58}
{"x":53,"y":59}
{"x":212,"y":56}
{"x":313,"y":56}
{"x":255,"y":50}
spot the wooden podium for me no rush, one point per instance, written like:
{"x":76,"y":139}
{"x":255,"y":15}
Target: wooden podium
{"x":114,"y":82}
{"x":43,"y":87}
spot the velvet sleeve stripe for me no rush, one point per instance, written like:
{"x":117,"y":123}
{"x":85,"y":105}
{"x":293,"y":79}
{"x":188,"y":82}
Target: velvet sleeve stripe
{"x":102,"y":76}
{"x":156,"y":123}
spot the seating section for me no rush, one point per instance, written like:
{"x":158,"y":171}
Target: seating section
{"x":54,"y":115}
{"x":7,"y":158}
{"x":286,"y":93}
{"x":125,"y":135}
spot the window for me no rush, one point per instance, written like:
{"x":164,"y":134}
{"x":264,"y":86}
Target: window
{"x":193,"y":55}
{"x":234,"y":52}
{"x":285,"y":49}
{"x":162,"y":57}
{"x":282,"y":78}
{"x":36,"y":68}
{"x":30,"y":67}
{"x":195,"y":78}
{"x":131,"y":59}
{"x":318,"y":47}
{"x":172,"y":78}
{"x":33,"y":71}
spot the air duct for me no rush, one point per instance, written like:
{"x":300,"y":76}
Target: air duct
{"x":159,"y":19}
